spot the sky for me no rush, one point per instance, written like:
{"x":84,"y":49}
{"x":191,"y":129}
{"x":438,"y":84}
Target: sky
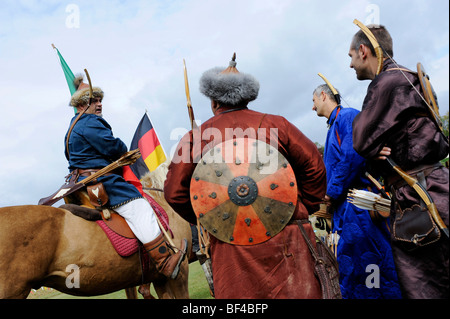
{"x":134,"y":51}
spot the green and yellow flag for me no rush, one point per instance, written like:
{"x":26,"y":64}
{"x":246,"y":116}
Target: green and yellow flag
{"x":68,"y":74}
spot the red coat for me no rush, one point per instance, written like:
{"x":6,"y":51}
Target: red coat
{"x":281,"y":267}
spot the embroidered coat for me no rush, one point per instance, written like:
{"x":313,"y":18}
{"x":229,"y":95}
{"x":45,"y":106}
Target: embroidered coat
{"x":281,"y":267}
{"x":92,"y":145}
{"x":362,"y":242}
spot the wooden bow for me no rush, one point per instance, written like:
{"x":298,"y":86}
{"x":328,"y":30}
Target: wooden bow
{"x":428,"y":95}
{"x":128,"y":158}
{"x":203,"y":235}
{"x":379,"y":53}
{"x":91,"y":94}
{"x":424,"y":195}
{"x":188,"y":98}
{"x":333,"y":90}
{"x":374,"y":42}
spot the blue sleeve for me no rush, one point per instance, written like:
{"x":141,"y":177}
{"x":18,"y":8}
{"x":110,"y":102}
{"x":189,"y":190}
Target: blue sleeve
{"x":351,"y":163}
{"x":99,"y":135}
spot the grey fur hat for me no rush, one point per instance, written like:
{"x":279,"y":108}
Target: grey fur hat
{"x":229,"y":86}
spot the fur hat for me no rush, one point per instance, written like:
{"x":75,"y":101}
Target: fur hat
{"x":81,"y":96}
{"x":229,"y":86}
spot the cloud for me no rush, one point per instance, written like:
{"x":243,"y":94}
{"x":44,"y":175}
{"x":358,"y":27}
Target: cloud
{"x":134,"y":50}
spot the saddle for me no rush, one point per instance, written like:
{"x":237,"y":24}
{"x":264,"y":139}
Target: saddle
{"x":115,"y":227}
{"x":79,"y":204}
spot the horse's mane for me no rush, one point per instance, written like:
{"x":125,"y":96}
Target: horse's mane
{"x":156,"y":178}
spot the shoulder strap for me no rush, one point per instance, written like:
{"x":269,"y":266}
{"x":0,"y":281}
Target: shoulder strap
{"x":262,"y":118}
{"x":259,"y":126}
{"x":308,"y":241}
{"x":81,"y":113}
{"x":70,"y":130}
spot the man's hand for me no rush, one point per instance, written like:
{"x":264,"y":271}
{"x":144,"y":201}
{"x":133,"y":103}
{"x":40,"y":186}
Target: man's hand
{"x":327,"y":200}
{"x":386,"y":151}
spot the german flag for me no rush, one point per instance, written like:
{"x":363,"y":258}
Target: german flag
{"x":147,"y":141}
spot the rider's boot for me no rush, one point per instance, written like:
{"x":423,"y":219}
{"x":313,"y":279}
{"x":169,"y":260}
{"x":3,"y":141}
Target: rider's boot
{"x":166,"y":260}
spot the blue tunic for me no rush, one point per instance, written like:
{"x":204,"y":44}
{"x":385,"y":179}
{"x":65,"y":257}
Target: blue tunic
{"x":364,"y":246}
{"x":92,"y":145}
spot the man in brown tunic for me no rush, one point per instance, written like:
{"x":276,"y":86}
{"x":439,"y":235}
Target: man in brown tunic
{"x":281,"y":267}
{"x":395,"y":122}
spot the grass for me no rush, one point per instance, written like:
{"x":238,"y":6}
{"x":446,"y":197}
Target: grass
{"x":198,"y":289}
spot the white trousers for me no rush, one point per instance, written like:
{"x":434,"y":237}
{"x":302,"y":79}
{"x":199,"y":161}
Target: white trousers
{"x":141,"y":218}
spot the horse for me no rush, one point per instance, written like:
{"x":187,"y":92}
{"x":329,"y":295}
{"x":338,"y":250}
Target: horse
{"x":49,"y":246}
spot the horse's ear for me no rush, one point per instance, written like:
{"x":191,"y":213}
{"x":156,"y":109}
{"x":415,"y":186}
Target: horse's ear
{"x":146,"y":181}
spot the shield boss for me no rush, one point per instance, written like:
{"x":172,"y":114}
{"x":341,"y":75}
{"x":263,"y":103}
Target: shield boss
{"x":243,"y":191}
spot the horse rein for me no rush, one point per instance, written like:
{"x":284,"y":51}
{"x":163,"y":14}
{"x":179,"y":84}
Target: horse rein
{"x":153,"y":189}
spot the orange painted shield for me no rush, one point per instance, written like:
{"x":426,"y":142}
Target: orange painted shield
{"x":243,"y":191}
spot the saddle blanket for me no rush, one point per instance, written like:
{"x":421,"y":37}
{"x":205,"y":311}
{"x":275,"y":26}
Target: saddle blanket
{"x":124,"y":246}
{"x":128,"y":246}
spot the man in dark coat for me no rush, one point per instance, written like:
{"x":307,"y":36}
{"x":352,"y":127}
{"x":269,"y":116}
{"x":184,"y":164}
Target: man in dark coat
{"x":395,"y":122}
{"x":92,"y":146}
{"x":282,"y":266}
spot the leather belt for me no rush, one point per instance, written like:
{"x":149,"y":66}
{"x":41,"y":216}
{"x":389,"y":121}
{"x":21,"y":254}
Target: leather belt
{"x":397,"y":181}
{"x":76,"y":173}
{"x":296,"y":221}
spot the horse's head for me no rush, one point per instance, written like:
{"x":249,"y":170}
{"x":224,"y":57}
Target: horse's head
{"x":156,"y":178}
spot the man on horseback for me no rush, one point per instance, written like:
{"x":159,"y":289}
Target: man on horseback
{"x":90,"y":146}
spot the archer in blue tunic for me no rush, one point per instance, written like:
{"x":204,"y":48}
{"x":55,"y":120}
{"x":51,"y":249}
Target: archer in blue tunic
{"x":92,"y":145}
{"x":366,"y":265}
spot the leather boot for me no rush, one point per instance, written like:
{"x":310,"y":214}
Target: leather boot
{"x":162,"y":255}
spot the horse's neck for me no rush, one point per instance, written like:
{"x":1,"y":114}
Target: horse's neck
{"x":158,"y":196}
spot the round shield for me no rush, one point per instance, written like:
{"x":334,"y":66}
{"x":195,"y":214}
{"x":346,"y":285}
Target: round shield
{"x":243,"y":191}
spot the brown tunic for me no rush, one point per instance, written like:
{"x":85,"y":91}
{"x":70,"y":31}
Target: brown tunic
{"x":394,"y":115}
{"x":281,"y":267}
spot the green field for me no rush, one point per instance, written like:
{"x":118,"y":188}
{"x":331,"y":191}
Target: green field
{"x":198,"y":289}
